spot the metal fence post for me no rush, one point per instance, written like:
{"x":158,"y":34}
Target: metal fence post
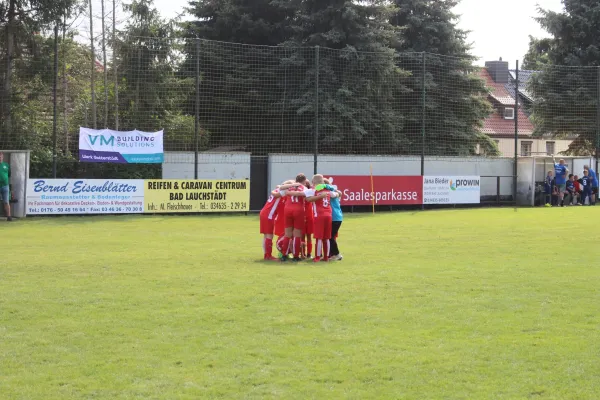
{"x":516,"y":114}
{"x":197,"y":111}
{"x":423,"y":94}
{"x":423,"y":117}
{"x":316,"y":144}
{"x":54,"y":84}
{"x":597,"y":119}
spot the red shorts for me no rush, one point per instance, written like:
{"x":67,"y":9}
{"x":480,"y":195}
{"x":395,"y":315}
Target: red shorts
{"x":267,"y":226}
{"x":309,"y":226}
{"x":322,"y":227}
{"x":294,"y":217}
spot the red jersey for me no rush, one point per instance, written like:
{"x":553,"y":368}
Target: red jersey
{"x":322,"y":206}
{"x":273,"y":206}
{"x":293,"y":202}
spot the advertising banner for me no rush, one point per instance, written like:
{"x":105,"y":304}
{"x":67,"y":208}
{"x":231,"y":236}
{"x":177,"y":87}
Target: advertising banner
{"x":388,"y":190}
{"x":107,"y":146}
{"x":84,"y":196}
{"x":451,"y":189}
{"x":196,"y":196}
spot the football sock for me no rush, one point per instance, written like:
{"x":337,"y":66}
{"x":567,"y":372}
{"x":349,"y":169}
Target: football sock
{"x":297,"y":247}
{"x":268,"y":247}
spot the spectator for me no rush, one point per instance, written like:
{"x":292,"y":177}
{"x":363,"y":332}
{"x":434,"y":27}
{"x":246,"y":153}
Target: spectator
{"x":594,"y":180}
{"x":578,"y":188}
{"x":570,"y":191}
{"x":548,"y":189}
{"x":5,"y":186}
{"x":586,"y":187}
{"x":554,"y":193}
{"x":560,"y":171}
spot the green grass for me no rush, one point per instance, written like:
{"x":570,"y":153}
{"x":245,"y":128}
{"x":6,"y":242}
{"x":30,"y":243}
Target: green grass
{"x":469,"y":304}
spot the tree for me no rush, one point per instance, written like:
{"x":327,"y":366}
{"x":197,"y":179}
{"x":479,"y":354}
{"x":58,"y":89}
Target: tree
{"x":149,"y":90}
{"x":455,"y":98}
{"x":537,"y":54}
{"x":243,"y":81}
{"x":355,"y":73}
{"x":565,"y":91}
{"x":21,"y":20}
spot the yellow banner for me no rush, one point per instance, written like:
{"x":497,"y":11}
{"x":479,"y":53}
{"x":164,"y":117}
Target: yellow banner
{"x":196,"y":196}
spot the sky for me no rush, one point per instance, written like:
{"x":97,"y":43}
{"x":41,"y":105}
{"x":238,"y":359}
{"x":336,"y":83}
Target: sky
{"x":499,"y":28}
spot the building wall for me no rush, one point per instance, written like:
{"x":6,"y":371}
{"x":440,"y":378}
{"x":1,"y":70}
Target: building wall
{"x":538,"y":146}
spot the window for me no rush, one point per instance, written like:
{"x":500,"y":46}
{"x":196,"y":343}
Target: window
{"x":526,"y":149}
{"x":509,"y":113}
{"x":550,"y":148}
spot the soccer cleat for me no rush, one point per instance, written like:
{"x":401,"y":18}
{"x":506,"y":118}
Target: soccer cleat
{"x":271,"y":258}
{"x":548,"y":205}
{"x":316,"y":259}
{"x":298,"y":259}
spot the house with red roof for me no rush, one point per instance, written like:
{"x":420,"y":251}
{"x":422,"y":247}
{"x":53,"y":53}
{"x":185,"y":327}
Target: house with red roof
{"x":500,"y":124}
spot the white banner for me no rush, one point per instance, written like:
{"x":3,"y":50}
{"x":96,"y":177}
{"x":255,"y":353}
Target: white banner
{"x":107,"y":146}
{"x":451,"y":189}
{"x":85,"y":196}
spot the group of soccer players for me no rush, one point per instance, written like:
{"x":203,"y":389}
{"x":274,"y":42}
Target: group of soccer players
{"x":296,"y":211}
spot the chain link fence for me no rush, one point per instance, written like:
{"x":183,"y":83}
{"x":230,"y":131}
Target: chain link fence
{"x":214,"y":97}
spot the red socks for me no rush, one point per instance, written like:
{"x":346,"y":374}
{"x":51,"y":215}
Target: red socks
{"x":285,"y":245}
{"x":297,"y":247}
{"x":322,"y":250}
{"x":268,"y":247}
{"x":308,"y":246}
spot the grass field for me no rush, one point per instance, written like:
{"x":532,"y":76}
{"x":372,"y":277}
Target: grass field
{"x":469,"y":304}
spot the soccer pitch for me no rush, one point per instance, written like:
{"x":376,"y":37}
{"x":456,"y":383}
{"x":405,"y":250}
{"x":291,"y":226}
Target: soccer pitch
{"x":463,"y":304}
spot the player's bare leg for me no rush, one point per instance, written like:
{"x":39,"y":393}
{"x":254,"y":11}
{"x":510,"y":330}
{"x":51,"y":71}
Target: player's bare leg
{"x":7,"y":212}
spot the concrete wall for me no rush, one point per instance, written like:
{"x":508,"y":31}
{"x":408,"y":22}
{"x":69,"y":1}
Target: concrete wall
{"x":19,"y":165}
{"x":180,"y":165}
{"x":525,"y":181}
{"x":283,"y":167}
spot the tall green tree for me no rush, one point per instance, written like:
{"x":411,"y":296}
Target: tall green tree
{"x":566,"y":90}
{"x":21,"y":21}
{"x":151,"y":95}
{"x":354,"y":73}
{"x":455,"y":97}
{"x":537,"y":54}
{"x":243,"y":79}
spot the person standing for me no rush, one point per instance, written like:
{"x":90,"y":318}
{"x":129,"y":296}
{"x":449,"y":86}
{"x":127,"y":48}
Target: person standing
{"x":586,"y":187}
{"x":560,"y":172}
{"x":594,"y":179}
{"x":321,"y":198}
{"x":336,"y":217}
{"x":548,"y":186}
{"x":5,"y":186}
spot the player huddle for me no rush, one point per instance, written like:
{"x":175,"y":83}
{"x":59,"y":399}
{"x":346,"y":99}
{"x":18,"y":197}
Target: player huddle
{"x":296,"y":211}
